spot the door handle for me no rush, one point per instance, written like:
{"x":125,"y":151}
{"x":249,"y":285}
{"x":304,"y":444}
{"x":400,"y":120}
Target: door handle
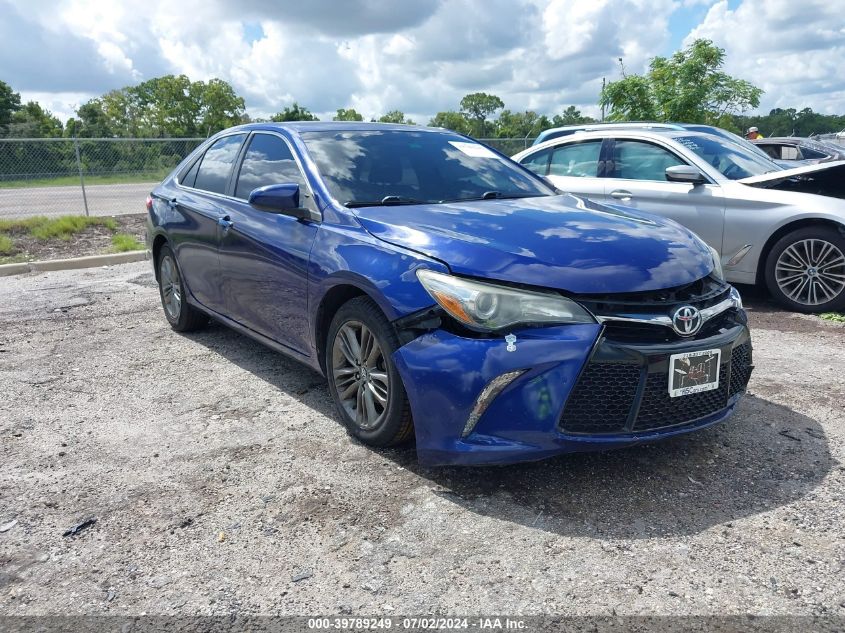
{"x":225,"y":222}
{"x":173,"y":203}
{"x":621,"y":194}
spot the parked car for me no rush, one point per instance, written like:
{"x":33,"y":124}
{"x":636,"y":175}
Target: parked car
{"x":781,"y":228}
{"x":448,"y":293}
{"x":800,"y":150}
{"x":558,"y":132}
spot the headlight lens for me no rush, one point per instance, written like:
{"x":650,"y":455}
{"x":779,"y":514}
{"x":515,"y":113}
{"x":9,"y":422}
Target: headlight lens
{"x":492,"y":307}
{"x":718,"y":273}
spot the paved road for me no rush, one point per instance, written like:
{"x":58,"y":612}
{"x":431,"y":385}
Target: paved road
{"x":222,"y":484}
{"x":102,"y":200}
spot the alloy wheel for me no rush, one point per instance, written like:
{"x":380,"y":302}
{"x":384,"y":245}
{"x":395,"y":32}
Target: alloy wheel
{"x":360,"y":375}
{"x":171,"y":289}
{"x":811,"y":272}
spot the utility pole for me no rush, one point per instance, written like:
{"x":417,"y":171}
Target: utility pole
{"x":603,"y":86}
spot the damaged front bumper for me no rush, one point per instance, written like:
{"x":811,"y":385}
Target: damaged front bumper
{"x":494,"y":401}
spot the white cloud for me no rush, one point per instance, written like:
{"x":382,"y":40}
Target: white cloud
{"x":419,"y":57}
{"x":792,"y":50}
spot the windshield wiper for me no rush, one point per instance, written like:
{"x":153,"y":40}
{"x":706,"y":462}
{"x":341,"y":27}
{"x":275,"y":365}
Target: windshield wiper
{"x":387,"y":201}
{"x":496,"y":195}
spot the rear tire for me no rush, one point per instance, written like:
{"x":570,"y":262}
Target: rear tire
{"x":181,"y":316}
{"x":805,"y":270}
{"x":365,"y":385}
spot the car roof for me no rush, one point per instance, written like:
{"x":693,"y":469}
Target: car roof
{"x":611,"y":125}
{"x":632,"y":132}
{"x":321,"y":126}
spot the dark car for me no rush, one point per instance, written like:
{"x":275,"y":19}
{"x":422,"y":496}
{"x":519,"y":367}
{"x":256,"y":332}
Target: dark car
{"x":796,"y":149}
{"x":447,"y":293}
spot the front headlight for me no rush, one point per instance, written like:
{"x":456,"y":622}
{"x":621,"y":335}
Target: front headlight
{"x":492,"y":307}
{"x":718,"y":273}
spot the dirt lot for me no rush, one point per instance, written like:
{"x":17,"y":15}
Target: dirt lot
{"x":221,"y":483}
{"x":93,"y":240}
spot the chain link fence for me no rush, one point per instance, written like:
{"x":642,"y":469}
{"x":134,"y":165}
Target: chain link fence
{"x":84,"y":176}
{"x":103,"y":176}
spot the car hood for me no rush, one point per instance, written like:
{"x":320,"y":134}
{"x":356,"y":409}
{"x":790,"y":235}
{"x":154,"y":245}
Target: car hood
{"x":823,"y":179}
{"x":774,"y":177}
{"x":561,"y":242}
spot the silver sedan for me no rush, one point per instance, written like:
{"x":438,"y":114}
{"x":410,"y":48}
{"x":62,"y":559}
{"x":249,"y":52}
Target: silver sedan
{"x":784,"y":228}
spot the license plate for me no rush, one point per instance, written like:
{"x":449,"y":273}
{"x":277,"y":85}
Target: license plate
{"x":694,"y":372}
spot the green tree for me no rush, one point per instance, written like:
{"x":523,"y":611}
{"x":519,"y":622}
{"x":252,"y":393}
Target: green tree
{"x":294,"y":112}
{"x":91,"y":121}
{"x":789,"y":122}
{"x":571,"y":116}
{"x":477,"y":107}
{"x":520,"y":124}
{"x":395,"y":116}
{"x":347,"y":114}
{"x":10,"y":102}
{"x":451,"y":120}
{"x":33,"y":121}
{"x":167,"y":106}
{"x":219,"y":106}
{"x":688,"y":87}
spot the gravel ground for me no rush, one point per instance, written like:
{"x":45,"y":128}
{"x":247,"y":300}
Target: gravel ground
{"x":222,"y":484}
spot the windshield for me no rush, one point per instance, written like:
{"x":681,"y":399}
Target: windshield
{"x":375,"y":167}
{"x":732,"y":160}
{"x":729,"y":136}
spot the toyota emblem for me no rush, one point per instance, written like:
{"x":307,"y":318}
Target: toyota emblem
{"x":686,"y":320}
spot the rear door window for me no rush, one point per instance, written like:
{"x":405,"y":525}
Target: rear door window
{"x":576,"y":159}
{"x":216,"y":166}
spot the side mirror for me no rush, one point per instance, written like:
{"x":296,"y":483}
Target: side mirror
{"x":685,"y":173}
{"x":282,"y":199}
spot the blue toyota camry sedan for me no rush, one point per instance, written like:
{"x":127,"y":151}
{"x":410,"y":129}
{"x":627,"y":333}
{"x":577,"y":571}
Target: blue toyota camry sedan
{"x":447,"y":293}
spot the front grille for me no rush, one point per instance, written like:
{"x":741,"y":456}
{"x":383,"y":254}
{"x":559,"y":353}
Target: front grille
{"x":611,"y":397}
{"x":703,"y":293}
{"x":659,"y":409}
{"x":617,"y":385}
{"x":740,"y":368}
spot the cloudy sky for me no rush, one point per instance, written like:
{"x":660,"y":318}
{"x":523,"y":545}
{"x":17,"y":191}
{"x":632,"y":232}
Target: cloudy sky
{"x":418,"y":56}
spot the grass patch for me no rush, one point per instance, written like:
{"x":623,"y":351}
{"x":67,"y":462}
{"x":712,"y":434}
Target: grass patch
{"x":94,"y":179}
{"x":836,"y":317}
{"x":123,"y":242}
{"x":63,"y":227}
{"x":14,"y":259}
{"x":6,"y":245}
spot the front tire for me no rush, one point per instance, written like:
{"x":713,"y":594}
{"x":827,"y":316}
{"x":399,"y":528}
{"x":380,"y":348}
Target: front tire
{"x":181,"y":316}
{"x":363,"y":380}
{"x":805,"y":270}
